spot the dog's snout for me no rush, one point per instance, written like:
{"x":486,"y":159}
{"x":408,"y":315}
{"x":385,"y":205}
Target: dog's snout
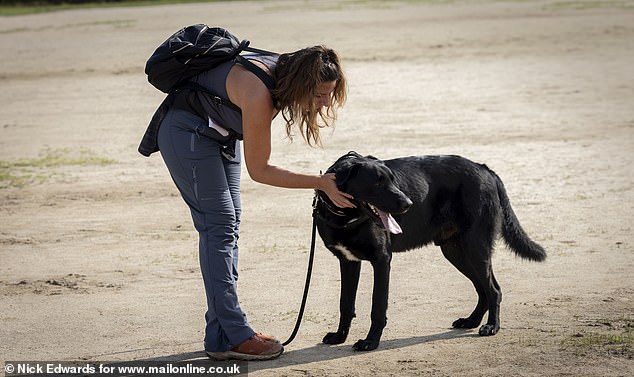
{"x":406,"y":203}
{"x":409,"y":202}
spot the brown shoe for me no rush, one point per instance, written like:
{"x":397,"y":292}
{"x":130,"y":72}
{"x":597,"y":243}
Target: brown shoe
{"x":270,"y":338}
{"x":254,"y":348}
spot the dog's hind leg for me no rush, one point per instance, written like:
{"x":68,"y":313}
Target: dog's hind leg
{"x":493,"y":323}
{"x":478,"y":256}
{"x":452,"y":250}
{"x":380,"y":293}
{"x":350,"y":271}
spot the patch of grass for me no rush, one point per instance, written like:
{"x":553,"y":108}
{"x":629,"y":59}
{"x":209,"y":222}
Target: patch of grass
{"x":617,"y":341}
{"x":52,"y":158}
{"x":22,"y":172}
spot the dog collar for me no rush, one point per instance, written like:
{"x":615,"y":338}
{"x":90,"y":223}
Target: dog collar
{"x":351,"y":221}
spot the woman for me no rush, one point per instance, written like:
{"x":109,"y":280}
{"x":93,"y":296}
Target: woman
{"x":308,"y":86}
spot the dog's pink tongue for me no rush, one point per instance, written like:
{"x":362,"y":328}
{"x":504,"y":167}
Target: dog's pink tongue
{"x":389,"y":222}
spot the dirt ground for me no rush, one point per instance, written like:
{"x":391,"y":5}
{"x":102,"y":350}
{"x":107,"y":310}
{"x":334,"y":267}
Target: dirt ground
{"x":98,"y":257}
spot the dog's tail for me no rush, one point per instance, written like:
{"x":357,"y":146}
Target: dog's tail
{"x":512,"y":231}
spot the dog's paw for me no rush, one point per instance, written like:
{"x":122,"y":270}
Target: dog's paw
{"x":335,"y":337}
{"x":365,"y":345}
{"x":487,"y":330}
{"x":465,"y":323}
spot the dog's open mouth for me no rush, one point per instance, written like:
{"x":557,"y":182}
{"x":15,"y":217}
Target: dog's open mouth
{"x":389,"y":223}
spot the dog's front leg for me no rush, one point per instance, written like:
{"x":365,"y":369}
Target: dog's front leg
{"x":350,"y":271}
{"x":380,"y":294}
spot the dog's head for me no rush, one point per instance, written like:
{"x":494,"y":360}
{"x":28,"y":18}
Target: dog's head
{"x":372,"y":184}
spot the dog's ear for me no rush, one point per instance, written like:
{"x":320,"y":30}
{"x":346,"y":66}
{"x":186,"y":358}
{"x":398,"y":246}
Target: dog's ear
{"x":343,"y":173}
{"x":345,"y":167}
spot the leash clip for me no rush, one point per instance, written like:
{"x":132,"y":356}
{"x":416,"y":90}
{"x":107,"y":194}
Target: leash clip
{"x":315,"y":200}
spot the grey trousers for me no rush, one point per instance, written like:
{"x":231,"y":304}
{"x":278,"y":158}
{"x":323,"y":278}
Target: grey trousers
{"x":210,"y":185}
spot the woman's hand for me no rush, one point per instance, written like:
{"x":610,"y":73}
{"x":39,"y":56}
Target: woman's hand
{"x":329,"y":186}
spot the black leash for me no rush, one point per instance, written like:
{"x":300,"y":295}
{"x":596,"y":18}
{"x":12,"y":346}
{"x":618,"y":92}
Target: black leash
{"x":311,"y":258}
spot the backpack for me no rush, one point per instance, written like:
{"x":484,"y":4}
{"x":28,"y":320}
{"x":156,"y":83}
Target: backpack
{"x":186,"y":53}
{"x":190,"y":51}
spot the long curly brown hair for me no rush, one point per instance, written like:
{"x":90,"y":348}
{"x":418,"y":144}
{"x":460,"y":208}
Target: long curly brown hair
{"x":297,"y":75}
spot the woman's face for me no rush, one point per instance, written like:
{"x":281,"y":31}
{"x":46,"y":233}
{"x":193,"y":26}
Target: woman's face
{"x":323,"y":94}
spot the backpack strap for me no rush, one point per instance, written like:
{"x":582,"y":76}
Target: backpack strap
{"x":259,"y":72}
{"x":253,"y":49}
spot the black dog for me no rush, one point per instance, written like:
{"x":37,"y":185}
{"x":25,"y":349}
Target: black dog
{"x":409,"y":202}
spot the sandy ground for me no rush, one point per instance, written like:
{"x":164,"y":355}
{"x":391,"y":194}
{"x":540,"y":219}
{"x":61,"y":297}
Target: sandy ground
{"x":98,"y":257}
